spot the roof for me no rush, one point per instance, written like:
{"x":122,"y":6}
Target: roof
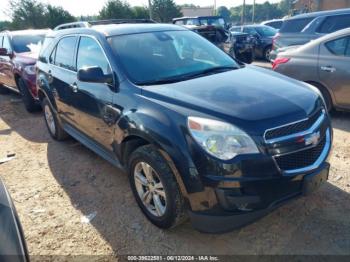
{"x":202,"y":16}
{"x":322,"y":13}
{"x":119,"y":29}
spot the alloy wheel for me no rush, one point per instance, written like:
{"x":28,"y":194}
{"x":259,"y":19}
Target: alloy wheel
{"x":150,"y":189}
{"x":49,"y":119}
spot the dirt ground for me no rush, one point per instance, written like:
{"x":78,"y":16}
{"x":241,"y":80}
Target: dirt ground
{"x":54,"y":184}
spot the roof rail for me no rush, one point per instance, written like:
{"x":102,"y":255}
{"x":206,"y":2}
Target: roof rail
{"x":102,"y":22}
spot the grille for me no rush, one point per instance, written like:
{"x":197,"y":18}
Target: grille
{"x":293,"y":128}
{"x":301,"y":159}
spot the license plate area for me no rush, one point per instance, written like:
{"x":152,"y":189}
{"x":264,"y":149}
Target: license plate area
{"x":314,"y":181}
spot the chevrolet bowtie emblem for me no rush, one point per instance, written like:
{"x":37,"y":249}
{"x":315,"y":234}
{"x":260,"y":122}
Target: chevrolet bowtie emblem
{"x":312,"y":139}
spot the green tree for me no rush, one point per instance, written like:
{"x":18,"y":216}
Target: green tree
{"x":165,"y":10}
{"x":5,"y":25}
{"x":140,"y":12}
{"x":116,"y":9}
{"x":27,"y":14}
{"x":57,"y":15}
{"x":224,"y":12}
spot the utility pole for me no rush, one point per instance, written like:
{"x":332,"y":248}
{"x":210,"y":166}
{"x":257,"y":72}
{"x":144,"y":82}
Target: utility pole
{"x":214,"y":11}
{"x":150,"y":9}
{"x":253,"y":18}
{"x":243,"y":13}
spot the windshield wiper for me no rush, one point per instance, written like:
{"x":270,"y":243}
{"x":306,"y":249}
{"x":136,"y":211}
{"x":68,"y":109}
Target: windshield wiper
{"x":184,"y":77}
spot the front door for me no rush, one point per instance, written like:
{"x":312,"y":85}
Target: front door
{"x":334,"y":69}
{"x":92,"y":105}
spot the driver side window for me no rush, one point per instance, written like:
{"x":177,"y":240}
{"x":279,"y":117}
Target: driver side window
{"x":6,"y":44}
{"x":90,"y":54}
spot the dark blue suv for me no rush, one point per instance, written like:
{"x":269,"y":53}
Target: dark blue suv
{"x":199,"y":134}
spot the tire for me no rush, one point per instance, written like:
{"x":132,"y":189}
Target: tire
{"x":28,"y":101}
{"x":266,"y":53}
{"x":52,"y":123}
{"x":3,"y":90}
{"x":172,"y":208}
{"x":248,"y":58}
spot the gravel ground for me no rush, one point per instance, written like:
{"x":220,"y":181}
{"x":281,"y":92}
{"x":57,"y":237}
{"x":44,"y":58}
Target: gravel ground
{"x":55,"y":184}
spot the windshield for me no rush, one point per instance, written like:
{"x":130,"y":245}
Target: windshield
{"x":27,"y":43}
{"x":212,"y":21}
{"x":266,"y":31}
{"x":170,"y":55}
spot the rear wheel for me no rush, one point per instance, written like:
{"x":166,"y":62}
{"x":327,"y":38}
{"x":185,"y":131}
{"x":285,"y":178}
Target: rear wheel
{"x":267,"y":53}
{"x":27,"y":98}
{"x":155,"y":188}
{"x":52,"y":122}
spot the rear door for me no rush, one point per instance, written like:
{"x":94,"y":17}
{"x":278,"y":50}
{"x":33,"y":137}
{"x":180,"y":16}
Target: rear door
{"x":334,"y":69}
{"x":62,"y":74}
{"x":93,"y":111}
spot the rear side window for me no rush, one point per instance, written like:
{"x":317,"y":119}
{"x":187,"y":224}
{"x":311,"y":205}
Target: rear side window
{"x":65,"y":53}
{"x":276,"y":24}
{"x":334,"y":23}
{"x":295,"y":25}
{"x":339,"y":47}
{"x":179,"y":22}
{"x":90,"y":54}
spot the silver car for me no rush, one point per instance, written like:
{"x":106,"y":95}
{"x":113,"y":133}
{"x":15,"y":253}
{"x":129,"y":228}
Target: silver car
{"x":324,"y":63}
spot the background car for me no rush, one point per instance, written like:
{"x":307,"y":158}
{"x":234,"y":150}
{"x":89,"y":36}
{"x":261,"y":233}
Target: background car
{"x":13,"y":247}
{"x":300,"y":29}
{"x":210,"y":27}
{"x":264,"y":37}
{"x":19,"y":52}
{"x":239,"y":45}
{"x":275,"y":23}
{"x":324,"y":63}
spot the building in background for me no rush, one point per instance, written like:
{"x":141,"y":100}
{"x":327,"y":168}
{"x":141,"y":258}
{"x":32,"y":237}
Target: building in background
{"x":197,"y":11}
{"x":306,"y":6}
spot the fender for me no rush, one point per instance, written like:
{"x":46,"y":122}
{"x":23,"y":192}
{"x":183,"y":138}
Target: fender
{"x":155,"y":127}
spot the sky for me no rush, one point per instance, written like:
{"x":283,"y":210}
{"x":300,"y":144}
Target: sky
{"x":91,"y":7}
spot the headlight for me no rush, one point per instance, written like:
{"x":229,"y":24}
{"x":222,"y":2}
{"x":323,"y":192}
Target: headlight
{"x":30,"y":70}
{"x":220,"y":139}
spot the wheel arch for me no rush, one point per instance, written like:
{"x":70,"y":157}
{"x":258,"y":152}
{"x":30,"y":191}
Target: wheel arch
{"x":324,"y":88}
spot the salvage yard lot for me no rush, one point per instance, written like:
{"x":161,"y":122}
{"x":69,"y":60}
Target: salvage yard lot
{"x":55,"y":184}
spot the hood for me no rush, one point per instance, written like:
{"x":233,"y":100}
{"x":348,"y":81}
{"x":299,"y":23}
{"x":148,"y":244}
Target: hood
{"x":252,"y":98}
{"x":27,"y":58}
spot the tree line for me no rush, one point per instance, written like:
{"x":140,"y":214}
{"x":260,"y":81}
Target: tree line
{"x":32,"y":14}
{"x":263,"y":12}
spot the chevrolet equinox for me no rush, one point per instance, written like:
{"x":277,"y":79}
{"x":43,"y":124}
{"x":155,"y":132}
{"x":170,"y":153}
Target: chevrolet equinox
{"x":200,"y":134}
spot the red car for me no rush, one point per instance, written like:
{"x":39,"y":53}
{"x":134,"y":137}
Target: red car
{"x":18,"y":55}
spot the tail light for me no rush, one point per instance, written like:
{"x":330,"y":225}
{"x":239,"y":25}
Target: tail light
{"x":278,"y":61}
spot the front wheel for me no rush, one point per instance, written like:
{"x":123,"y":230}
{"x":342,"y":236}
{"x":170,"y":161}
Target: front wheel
{"x":155,"y":188}
{"x":28,"y":100}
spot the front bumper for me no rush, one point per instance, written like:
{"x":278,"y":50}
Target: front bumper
{"x":238,"y":208}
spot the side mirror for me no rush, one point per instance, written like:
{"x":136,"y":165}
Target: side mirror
{"x":94,"y":75}
{"x":4,"y":52}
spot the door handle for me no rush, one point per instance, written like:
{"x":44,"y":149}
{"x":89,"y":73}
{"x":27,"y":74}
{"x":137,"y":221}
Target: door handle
{"x":74,"y":87}
{"x":329,"y":69}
